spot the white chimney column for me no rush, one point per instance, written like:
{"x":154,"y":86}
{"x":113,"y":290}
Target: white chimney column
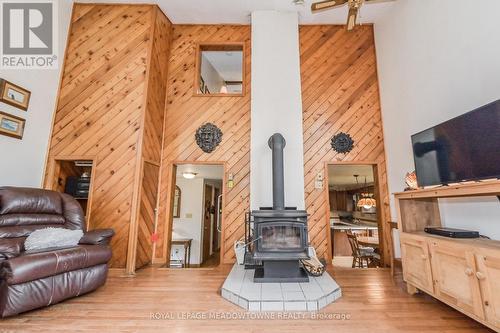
{"x":276,"y":106}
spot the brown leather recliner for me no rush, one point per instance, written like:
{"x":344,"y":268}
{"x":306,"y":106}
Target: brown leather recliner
{"x":30,"y":280}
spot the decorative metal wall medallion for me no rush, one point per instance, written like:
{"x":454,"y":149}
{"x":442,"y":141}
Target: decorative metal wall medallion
{"x":342,"y":143}
{"x":208,"y":137}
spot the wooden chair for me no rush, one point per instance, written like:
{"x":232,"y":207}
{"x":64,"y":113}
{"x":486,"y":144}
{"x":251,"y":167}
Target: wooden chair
{"x":360,"y":256}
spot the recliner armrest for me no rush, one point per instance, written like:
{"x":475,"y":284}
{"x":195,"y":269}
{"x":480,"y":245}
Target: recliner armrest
{"x":97,"y":237}
{"x":11,"y":247}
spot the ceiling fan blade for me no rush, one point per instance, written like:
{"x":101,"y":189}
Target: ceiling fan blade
{"x":352,"y":17}
{"x":378,"y":1}
{"x":322,"y":5}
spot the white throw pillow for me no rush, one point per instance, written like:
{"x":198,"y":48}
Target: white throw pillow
{"x":52,"y":237}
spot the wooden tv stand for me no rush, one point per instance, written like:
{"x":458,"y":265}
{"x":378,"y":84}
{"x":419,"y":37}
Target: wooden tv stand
{"x":463,"y":273}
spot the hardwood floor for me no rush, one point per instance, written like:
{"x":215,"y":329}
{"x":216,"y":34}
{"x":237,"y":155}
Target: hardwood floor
{"x":374,"y":302}
{"x":212,"y":261}
{"x":342,"y":262}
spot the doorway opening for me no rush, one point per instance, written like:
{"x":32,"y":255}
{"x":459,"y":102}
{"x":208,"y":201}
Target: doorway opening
{"x":197,"y":216}
{"x":354,"y":215}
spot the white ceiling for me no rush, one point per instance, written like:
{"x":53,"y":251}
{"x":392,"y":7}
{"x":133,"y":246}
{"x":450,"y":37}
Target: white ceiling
{"x":343,"y":175}
{"x":238,"y":11}
{"x":229,"y":65}
{"x":202,"y":171}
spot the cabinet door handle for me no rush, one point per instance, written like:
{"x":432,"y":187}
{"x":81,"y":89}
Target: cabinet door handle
{"x":424,"y":257}
{"x":480,"y":276}
{"x":469,"y":271}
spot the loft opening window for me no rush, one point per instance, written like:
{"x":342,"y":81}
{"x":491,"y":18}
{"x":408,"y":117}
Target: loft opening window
{"x":220,"y":70}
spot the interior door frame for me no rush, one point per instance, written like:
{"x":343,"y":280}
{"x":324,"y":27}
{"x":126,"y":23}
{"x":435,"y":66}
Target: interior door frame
{"x":216,"y":221}
{"x":205,"y":255}
{"x":171,"y":187}
{"x":380,"y":221}
{"x":52,"y":170}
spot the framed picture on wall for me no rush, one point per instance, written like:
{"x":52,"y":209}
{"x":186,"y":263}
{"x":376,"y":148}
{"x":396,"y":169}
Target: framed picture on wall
{"x":177,"y":202}
{"x":11,"y":125}
{"x":14,"y":95}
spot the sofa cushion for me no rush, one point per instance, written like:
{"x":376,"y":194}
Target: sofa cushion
{"x":50,"y":290}
{"x":11,"y":220}
{"x":52,"y":237}
{"x":32,"y":266}
{"x":11,"y":247}
{"x":73,"y":213}
{"x":23,"y":230}
{"x":29,"y":201}
{"x":97,"y":237}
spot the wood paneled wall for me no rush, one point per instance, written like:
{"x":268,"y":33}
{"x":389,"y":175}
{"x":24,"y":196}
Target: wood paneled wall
{"x":104,"y":104}
{"x":124,"y":62}
{"x":147,"y":216}
{"x":154,"y":120}
{"x":339,"y":94}
{"x":186,"y":112}
{"x":157,"y":89}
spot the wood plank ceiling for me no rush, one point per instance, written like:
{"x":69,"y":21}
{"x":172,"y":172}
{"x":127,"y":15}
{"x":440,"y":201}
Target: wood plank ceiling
{"x":186,"y":112}
{"x":339,"y":94}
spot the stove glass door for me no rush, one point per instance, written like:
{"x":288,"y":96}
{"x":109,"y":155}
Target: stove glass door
{"x":282,"y":237}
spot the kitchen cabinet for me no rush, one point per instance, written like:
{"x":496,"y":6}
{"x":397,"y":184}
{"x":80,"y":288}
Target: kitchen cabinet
{"x":339,"y":201}
{"x":341,"y":245}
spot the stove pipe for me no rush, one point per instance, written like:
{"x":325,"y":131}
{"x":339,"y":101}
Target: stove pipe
{"x":277,"y":143}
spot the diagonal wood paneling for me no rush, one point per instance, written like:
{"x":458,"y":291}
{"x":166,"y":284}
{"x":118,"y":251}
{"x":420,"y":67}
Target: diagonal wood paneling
{"x":185,"y":113}
{"x":110,"y":107}
{"x":146,"y":223}
{"x":152,"y":138}
{"x":102,"y":110}
{"x":339,"y":94}
{"x":157,"y":89}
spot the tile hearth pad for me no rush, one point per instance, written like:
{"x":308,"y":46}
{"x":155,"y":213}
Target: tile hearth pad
{"x":240,"y":289}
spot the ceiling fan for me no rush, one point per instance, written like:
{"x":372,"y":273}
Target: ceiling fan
{"x":354,"y":6}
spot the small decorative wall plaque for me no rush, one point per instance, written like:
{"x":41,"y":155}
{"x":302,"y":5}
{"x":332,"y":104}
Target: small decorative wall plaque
{"x":342,"y":143}
{"x":208,"y":137}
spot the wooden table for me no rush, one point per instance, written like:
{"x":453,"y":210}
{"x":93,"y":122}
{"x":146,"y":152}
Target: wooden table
{"x":187,"y":250}
{"x":368,"y":241}
{"x":372,"y":242}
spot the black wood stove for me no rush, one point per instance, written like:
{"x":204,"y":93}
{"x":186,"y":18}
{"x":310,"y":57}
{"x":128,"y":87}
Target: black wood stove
{"x":279,"y":233}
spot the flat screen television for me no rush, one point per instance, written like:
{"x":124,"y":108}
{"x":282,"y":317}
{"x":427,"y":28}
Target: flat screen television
{"x":461,"y":149}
